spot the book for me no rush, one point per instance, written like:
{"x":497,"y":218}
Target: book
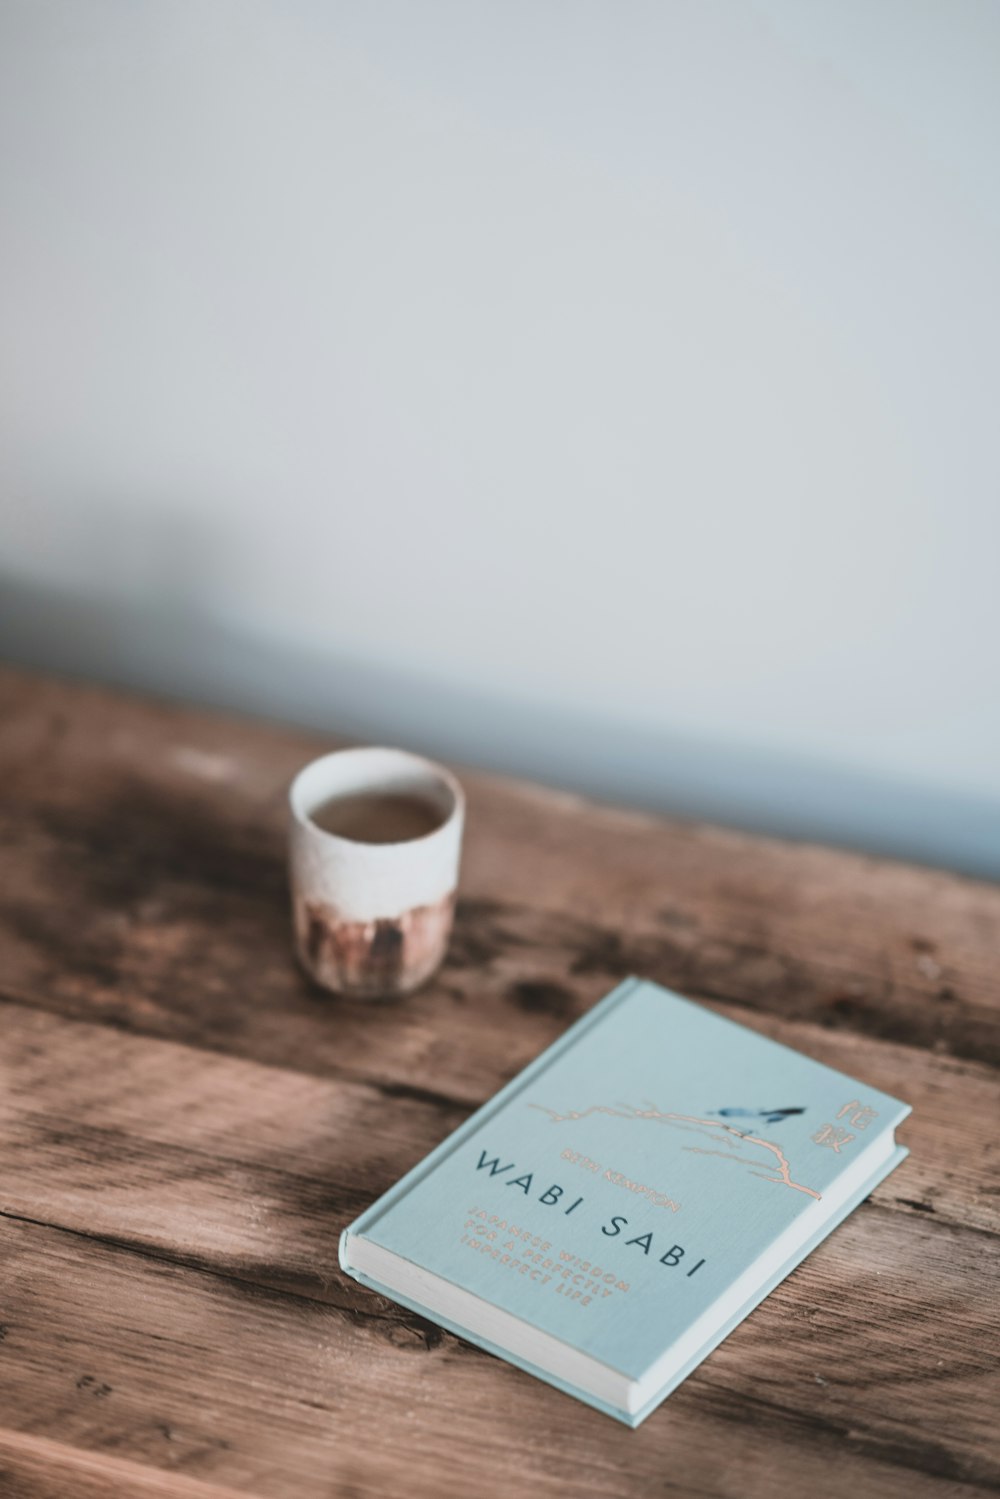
{"x":621,"y":1205}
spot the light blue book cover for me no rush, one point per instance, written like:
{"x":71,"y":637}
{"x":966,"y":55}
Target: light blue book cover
{"x":620,"y":1206}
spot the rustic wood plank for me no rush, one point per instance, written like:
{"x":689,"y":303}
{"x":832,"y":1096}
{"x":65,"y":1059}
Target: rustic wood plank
{"x":36,"y":1468}
{"x":257,"y":1168}
{"x":163,"y":833}
{"x":250,"y":1172}
{"x":279,"y":1396}
{"x":187,"y":1148}
{"x":240,"y":1168}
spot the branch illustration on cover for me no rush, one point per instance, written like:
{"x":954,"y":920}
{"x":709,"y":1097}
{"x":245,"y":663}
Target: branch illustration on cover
{"x":715,"y":1129}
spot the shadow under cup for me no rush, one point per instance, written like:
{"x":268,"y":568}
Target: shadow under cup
{"x":372,"y":919}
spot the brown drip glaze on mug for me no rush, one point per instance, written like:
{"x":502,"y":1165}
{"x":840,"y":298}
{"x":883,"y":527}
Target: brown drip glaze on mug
{"x":373,"y":959}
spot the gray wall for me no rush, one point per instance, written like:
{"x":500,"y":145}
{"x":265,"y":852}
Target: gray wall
{"x":602,"y":391}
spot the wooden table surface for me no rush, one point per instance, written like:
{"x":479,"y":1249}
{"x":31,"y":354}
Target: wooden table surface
{"x":187,"y":1125}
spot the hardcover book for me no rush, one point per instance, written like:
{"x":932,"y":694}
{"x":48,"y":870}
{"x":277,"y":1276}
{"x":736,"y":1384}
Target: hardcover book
{"x":629,"y":1198}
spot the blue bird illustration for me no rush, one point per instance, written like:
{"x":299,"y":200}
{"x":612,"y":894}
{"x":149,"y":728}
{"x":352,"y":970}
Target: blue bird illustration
{"x":769,"y":1116}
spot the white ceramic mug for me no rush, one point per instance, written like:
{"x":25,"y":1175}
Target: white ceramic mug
{"x":373,"y":919}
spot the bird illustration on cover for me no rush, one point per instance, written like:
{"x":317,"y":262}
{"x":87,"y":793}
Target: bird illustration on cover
{"x":769,"y":1116}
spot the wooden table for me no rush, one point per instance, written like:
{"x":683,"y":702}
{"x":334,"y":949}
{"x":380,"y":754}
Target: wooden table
{"x":187,"y":1125}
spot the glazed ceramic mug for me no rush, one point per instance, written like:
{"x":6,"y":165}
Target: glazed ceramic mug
{"x":372,"y":919}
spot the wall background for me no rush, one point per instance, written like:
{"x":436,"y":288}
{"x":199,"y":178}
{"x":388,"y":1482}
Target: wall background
{"x":604,"y":391}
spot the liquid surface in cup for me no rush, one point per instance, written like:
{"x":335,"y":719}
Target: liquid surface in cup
{"x":378,"y":817}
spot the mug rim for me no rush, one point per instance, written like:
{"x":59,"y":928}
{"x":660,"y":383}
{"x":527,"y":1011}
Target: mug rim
{"x":431,"y":768}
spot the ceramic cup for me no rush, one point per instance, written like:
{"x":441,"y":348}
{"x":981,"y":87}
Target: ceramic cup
{"x":373,"y":919}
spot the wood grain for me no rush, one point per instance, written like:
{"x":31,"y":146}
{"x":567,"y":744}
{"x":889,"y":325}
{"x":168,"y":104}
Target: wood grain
{"x":35,"y":1468}
{"x":282,"y":1394}
{"x":185,"y":1126}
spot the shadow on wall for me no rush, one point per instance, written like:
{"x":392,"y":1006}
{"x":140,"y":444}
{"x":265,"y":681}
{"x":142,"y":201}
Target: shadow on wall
{"x":164,"y":638}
